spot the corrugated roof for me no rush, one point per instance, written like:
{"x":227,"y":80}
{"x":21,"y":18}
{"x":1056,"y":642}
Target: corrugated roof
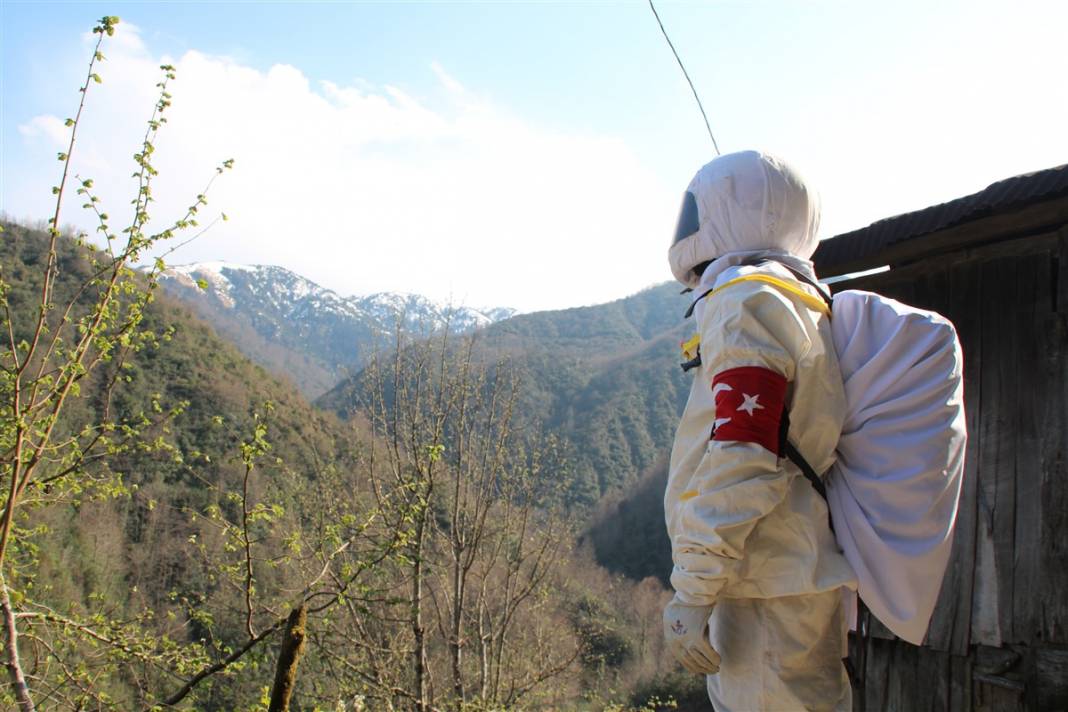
{"x":1011,"y":193}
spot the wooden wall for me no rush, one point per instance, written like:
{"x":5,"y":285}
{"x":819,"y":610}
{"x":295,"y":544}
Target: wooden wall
{"x":999,"y":637}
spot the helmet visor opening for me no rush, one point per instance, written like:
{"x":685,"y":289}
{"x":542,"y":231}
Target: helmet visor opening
{"x":688,"y":220}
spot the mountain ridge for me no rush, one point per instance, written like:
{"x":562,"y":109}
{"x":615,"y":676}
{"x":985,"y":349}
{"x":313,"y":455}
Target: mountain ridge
{"x":305,"y":332}
{"x":605,"y":377}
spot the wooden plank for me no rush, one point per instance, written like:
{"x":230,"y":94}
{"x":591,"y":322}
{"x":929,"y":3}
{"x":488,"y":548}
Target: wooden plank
{"x":1015,"y":247}
{"x":877,"y":674}
{"x":966,"y":288}
{"x":1061,"y":288}
{"x":1002,"y":303}
{"x":950,"y":627}
{"x":1051,"y":679}
{"x":985,"y":618}
{"x":998,"y":681}
{"x":1033,"y":306}
{"x":1053,"y":606}
{"x":960,"y":687}
{"x":932,"y":680}
{"x":901,"y":690}
{"x":991,"y":694}
{"x":917,"y":679}
{"x":988,"y":618}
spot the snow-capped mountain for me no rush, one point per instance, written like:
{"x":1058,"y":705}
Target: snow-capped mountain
{"x":295,"y":327}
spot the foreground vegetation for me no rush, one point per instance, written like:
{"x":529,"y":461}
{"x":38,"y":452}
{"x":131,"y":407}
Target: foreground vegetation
{"x":180,"y":530}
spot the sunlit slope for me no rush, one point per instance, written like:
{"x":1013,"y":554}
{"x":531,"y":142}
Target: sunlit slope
{"x":301,"y":331}
{"x":604,"y":377}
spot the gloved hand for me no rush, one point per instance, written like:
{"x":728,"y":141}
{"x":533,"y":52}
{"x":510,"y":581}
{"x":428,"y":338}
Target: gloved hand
{"x":686,"y":633}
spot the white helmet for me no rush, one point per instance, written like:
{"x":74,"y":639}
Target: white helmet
{"x":743,"y":202}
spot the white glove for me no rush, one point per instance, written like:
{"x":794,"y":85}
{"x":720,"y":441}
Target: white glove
{"x":686,"y":633}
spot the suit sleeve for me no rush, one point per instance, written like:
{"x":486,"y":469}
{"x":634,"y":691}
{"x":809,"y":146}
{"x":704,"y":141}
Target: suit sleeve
{"x":751,"y":346}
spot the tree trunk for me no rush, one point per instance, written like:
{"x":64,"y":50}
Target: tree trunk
{"x":419,"y":649}
{"x":483,"y":652}
{"x":456,"y":644}
{"x":11,"y":650}
{"x":285,"y":676}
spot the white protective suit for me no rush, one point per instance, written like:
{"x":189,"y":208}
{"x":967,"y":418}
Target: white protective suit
{"x":749,"y":535}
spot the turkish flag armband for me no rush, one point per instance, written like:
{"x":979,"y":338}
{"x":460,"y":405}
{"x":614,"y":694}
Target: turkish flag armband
{"x":749,"y":406}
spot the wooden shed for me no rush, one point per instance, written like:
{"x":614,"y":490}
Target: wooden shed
{"x":996,"y":264}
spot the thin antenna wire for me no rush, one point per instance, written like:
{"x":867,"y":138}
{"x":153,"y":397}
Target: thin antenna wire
{"x":685,"y":74}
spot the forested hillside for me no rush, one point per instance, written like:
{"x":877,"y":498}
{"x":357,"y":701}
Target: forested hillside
{"x":302,"y":332}
{"x":192,"y":508}
{"x":604,"y":377}
{"x":627,"y":533}
{"x":138,"y":545}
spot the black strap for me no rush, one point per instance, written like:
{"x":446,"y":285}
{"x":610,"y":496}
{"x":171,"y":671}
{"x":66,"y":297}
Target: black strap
{"x":693,"y":304}
{"x":820,"y":289}
{"x":788,"y":450}
{"x":794,"y":455}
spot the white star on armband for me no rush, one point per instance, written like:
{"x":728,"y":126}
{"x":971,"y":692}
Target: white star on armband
{"x":749,"y":404}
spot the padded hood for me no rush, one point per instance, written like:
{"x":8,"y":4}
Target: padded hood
{"x":742,"y":202}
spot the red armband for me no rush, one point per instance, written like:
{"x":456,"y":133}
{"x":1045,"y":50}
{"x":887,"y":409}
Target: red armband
{"x":749,"y":406}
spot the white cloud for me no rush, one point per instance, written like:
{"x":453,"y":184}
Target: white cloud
{"x":49,"y":127}
{"x":367,"y":189}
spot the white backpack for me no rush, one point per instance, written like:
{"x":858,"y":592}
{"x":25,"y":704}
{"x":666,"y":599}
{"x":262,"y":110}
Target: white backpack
{"x":894,"y":488}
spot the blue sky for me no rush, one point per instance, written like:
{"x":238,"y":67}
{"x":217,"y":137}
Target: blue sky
{"x":524,"y":154}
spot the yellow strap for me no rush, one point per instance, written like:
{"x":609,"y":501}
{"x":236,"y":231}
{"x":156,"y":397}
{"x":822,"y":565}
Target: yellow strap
{"x":690,"y":346}
{"x":688,"y":494}
{"x":812,"y":302}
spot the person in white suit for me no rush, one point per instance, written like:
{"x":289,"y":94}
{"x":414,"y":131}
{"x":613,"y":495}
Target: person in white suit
{"x":757,"y":574}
